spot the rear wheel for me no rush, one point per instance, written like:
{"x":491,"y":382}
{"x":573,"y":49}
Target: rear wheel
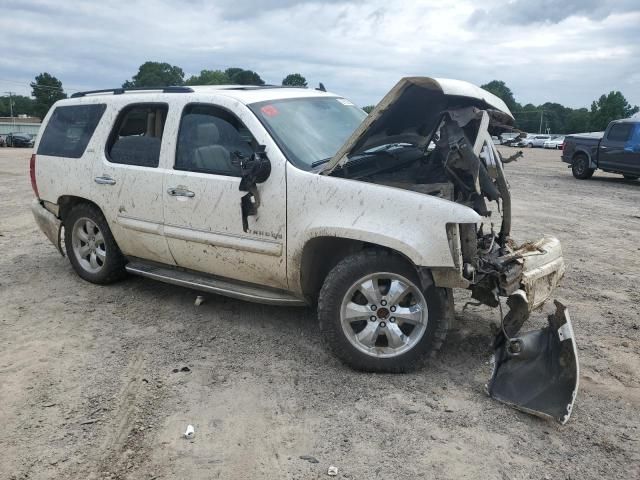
{"x":375,"y":315}
{"x":580,"y":167}
{"x":90,"y":246}
{"x":630,"y":177}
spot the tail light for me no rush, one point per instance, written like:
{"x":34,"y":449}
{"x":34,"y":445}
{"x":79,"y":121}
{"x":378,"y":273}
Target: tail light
{"x":32,"y":174}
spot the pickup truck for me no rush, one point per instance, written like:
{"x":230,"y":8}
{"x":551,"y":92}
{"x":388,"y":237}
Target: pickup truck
{"x":615,"y":151}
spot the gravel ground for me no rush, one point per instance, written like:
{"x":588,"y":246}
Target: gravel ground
{"x":88,"y":389}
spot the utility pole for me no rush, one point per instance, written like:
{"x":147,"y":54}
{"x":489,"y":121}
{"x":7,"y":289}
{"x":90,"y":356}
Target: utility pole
{"x":541,"y":115}
{"x":13,"y":122}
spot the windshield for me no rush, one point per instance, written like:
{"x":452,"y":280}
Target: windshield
{"x":309,"y":130}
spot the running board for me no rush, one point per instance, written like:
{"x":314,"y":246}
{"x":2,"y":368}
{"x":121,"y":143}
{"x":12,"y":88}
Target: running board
{"x":212,"y":284}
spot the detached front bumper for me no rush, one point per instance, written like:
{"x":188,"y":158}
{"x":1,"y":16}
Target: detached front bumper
{"x":537,"y":371}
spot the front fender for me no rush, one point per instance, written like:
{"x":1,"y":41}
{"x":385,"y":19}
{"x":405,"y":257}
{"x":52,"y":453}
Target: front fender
{"x":411,"y":223}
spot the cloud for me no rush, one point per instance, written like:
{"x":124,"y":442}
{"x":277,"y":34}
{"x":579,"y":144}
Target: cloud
{"x":357,"y":48}
{"x":528,"y":12}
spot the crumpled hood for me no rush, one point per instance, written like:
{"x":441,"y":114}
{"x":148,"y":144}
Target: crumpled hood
{"x":411,"y":112}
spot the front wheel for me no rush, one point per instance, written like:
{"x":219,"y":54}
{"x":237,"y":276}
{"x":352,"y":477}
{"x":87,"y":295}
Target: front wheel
{"x":580,"y":168}
{"x":375,"y":315}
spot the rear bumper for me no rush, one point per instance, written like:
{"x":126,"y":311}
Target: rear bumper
{"x":48,"y":223}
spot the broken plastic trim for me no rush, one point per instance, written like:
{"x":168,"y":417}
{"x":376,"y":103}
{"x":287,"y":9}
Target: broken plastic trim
{"x":538,"y":372}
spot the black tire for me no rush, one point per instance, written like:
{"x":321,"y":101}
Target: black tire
{"x":338,"y":283}
{"x":530,"y":145}
{"x":630,"y":177}
{"x":580,"y":167}
{"x":112,"y":268}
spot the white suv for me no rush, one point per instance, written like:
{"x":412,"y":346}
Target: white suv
{"x":295,"y":196}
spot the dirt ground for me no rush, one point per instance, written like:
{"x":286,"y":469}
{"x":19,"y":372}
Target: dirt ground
{"x":88,"y":389}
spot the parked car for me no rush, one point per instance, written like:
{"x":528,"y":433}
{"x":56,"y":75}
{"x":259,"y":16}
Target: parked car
{"x":2,"y":141}
{"x":19,"y":140}
{"x":555,"y":142}
{"x":617,"y":150}
{"x":296,"y":197}
{"x":535,"y":141}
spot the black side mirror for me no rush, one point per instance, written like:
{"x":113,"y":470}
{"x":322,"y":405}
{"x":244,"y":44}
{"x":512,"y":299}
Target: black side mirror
{"x":255,"y":169}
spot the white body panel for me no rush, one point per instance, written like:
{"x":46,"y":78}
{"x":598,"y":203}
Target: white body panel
{"x":205,"y":232}
{"x":411,"y":223}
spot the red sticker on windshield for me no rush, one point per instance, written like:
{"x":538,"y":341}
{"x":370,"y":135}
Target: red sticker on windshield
{"x":269,"y":110}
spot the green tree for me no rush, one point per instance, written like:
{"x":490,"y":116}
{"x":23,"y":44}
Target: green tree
{"x":156,"y":74}
{"x":21,"y":106}
{"x":239,"y":76}
{"x":368,"y":108}
{"x":209,"y":77}
{"x":500,"y":90}
{"x":578,"y":121}
{"x":610,"y":107}
{"x":527,"y":117}
{"x":294,"y":80}
{"x":46,"y":90}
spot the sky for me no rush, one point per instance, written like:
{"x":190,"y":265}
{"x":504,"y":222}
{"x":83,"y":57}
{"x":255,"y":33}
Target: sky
{"x":565,"y":51}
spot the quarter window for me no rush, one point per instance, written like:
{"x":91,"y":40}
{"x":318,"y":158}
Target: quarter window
{"x":69,"y":130}
{"x":620,"y":132}
{"x":137,"y":135}
{"x":212,"y":140}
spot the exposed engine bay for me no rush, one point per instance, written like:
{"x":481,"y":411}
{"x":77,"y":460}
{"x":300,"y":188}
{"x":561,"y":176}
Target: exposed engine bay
{"x":537,"y":371}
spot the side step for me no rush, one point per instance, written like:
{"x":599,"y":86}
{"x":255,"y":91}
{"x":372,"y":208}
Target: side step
{"x":212,"y":284}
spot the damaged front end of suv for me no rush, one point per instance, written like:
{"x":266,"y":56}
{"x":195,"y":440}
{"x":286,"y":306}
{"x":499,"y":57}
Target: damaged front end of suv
{"x":433,"y":136}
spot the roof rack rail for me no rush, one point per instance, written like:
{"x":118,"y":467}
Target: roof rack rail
{"x":120,"y":91}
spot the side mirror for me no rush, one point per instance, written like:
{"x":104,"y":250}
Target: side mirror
{"x":255,"y":169}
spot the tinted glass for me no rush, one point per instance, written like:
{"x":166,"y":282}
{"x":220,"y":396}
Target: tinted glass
{"x":620,"y":132}
{"x":212,"y":140}
{"x":69,"y":130}
{"x":137,"y":135}
{"x":309,"y":130}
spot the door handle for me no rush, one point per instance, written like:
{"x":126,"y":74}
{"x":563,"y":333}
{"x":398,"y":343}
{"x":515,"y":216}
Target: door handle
{"x":104,"y":180}
{"x":180,"y":192}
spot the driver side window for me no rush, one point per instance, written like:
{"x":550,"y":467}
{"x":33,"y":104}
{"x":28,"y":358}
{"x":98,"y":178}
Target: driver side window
{"x":212,"y":140}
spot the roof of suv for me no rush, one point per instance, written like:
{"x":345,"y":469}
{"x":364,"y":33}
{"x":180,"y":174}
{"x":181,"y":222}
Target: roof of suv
{"x":243,"y":93}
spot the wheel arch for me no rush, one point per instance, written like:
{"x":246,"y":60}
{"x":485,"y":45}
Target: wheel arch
{"x":321,"y":253}
{"x":67,"y":202}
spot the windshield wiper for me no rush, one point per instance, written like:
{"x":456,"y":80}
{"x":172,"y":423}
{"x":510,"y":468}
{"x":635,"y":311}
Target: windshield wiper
{"x":317,"y":163}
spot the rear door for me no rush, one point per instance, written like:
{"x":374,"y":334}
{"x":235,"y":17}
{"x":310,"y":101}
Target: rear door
{"x":202,"y":200}
{"x":612,"y":154}
{"x":127,"y":180}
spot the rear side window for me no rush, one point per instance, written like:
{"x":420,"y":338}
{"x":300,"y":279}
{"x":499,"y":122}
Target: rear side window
{"x":620,"y":132}
{"x":69,"y":130}
{"x":137,"y":135}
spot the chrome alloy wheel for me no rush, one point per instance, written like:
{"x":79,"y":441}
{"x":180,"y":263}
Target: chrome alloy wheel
{"x":88,"y":245}
{"x":384,"y":315}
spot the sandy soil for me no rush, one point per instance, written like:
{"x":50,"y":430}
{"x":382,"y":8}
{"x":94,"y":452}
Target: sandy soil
{"x":87,"y":388}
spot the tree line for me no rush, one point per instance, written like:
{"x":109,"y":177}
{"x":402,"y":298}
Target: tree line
{"x":556,"y":118}
{"x":47,"y":89}
{"x":549,"y":117}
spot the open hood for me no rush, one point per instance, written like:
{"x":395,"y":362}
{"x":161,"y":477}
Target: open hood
{"x":411,"y":112}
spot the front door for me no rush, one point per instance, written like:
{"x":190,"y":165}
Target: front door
{"x":202,"y":214}
{"x":612,"y":154}
{"x":127,"y":183}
